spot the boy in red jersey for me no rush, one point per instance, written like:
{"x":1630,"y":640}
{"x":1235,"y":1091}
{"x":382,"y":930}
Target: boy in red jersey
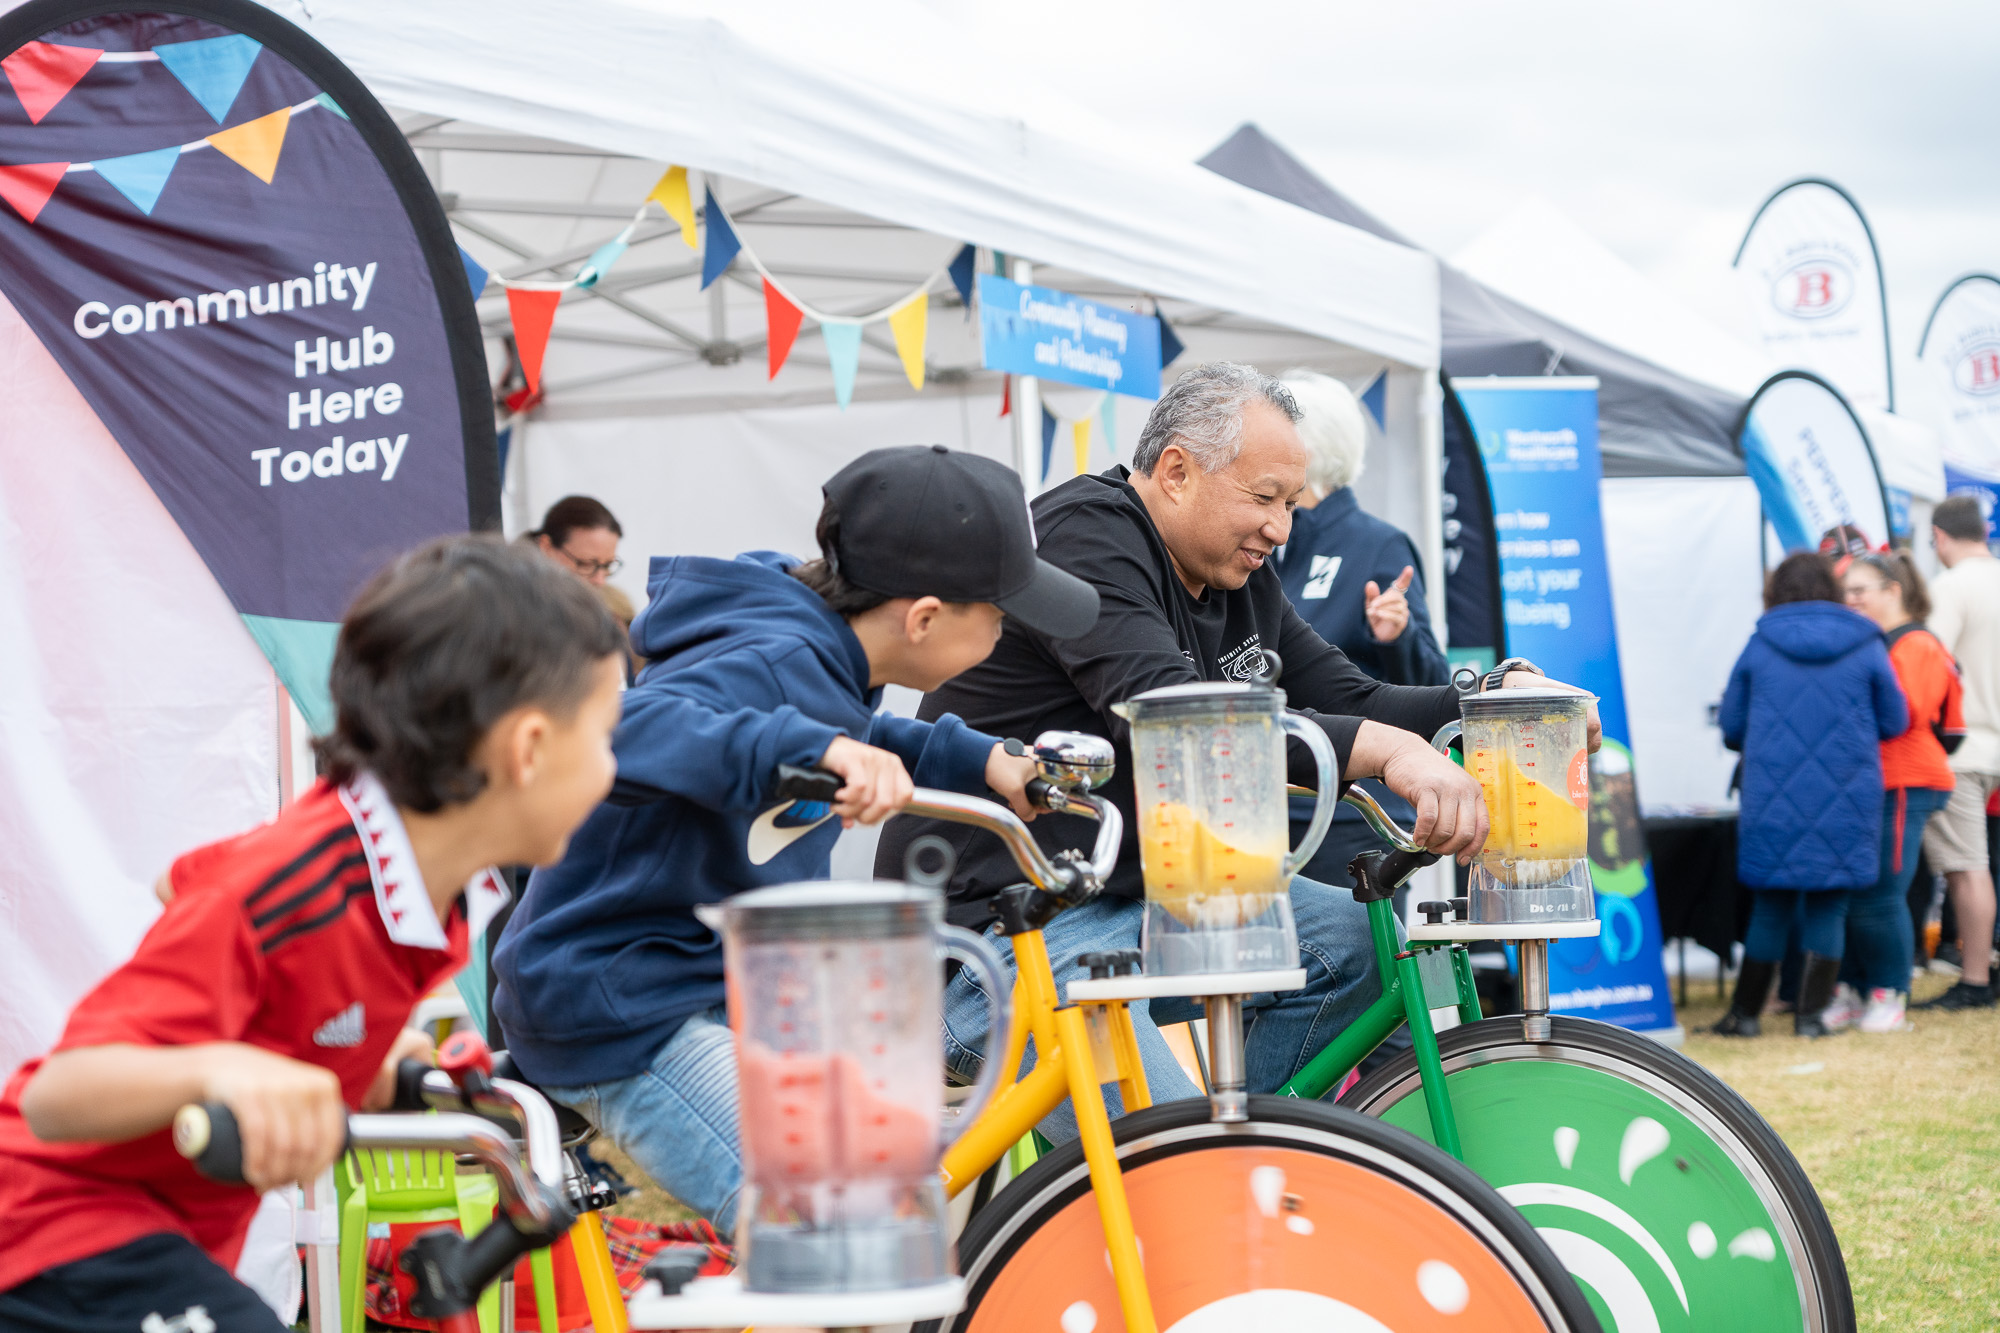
{"x":476,"y":687}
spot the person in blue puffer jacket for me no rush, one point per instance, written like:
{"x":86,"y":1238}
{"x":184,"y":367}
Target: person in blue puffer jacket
{"x":1808,"y":704}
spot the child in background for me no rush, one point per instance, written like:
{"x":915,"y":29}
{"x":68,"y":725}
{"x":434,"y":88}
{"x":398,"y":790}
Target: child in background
{"x":611,"y":992}
{"x":476,"y":687}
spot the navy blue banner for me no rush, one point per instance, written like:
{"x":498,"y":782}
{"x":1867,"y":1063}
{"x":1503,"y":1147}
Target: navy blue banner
{"x":225,"y":244}
{"x":1538,"y":438}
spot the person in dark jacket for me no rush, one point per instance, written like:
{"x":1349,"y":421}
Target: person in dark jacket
{"x":1808,"y":704}
{"x":1354,"y":579}
{"x":611,"y":990}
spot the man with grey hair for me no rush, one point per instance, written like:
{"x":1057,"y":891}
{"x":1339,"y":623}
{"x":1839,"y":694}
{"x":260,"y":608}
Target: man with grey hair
{"x":1179,"y":549}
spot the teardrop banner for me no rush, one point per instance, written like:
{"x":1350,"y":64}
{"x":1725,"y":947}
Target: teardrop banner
{"x":1960,"y":353}
{"x":1813,"y":464}
{"x":227,"y":246}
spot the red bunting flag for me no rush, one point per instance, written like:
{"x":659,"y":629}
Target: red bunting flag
{"x":28,"y":187}
{"x":781,"y":320}
{"x":1006,"y":395}
{"x":533,"y":313}
{"x":43,"y":73}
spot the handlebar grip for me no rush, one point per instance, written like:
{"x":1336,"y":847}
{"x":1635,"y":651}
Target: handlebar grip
{"x":410,"y":1086}
{"x":1378,"y":874}
{"x":1040,"y":792}
{"x":207,"y":1136}
{"x":807,"y":784}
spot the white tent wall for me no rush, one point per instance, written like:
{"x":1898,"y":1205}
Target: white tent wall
{"x":138,"y":720}
{"x":1686,"y":591}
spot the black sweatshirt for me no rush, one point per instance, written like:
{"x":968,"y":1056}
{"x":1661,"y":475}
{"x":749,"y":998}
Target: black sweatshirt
{"x":1149,"y":633}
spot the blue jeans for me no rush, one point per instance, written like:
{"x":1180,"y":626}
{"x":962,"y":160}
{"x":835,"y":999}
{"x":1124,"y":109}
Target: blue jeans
{"x":677,"y":1117}
{"x":1881,"y":941}
{"x":1819,"y":914}
{"x":1281,"y":1033}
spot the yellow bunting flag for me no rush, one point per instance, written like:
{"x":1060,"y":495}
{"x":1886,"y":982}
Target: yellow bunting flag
{"x":255,"y":144}
{"x":1081,"y":432}
{"x":671,"y":194}
{"x":910,"y":322}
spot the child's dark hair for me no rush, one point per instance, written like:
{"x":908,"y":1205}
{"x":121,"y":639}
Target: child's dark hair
{"x":1801,"y":577}
{"x":823,"y":575}
{"x":442,"y":644}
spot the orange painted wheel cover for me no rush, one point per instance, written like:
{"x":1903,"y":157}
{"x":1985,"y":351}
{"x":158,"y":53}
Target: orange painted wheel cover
{"x":1309,"y":1234}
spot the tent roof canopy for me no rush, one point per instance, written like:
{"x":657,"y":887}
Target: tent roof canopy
{"x":1653,"y":421}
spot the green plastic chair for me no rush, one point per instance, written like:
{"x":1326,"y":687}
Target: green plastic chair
{"x":393,"y":1186}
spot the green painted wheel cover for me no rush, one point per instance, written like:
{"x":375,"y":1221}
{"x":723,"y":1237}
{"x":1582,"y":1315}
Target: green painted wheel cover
{"x":1653,"y":1219}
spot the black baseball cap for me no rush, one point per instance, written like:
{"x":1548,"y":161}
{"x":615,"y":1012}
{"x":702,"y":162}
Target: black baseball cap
{"x":921,"y":520}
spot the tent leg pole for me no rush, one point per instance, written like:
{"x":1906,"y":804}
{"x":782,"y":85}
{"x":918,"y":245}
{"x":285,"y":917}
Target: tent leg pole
{"x":1027,"y":404}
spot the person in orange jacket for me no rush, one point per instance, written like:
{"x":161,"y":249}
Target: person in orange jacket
{"x":1917,"y":780}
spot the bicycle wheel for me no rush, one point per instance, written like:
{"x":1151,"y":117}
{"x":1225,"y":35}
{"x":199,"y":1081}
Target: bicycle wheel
{"x":1671,"y":1200}
{"x":1306,"y":1218}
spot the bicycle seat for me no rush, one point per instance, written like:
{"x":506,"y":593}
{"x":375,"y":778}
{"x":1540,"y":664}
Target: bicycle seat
{"x":574,"y":1128}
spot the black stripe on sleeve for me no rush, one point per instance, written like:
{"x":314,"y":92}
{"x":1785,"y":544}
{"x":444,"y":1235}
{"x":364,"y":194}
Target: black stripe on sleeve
{"x":302,"y":860}
{"x":309,"y":924}
{"x":346,"y":865}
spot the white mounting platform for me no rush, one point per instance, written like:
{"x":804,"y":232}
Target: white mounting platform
{"x":721,"y":1302}
{"x":1520,"y":930}
{"x":1198,"y":985}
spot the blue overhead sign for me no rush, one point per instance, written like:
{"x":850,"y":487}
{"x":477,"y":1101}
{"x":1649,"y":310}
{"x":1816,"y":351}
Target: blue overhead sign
{"x":1027,"y":330}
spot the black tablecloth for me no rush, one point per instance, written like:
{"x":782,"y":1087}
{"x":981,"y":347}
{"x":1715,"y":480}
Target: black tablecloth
{"x":1694,"y":877}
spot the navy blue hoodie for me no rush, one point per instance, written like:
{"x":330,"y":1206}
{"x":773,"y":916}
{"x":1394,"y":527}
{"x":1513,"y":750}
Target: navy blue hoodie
{"x":1808,"y":704}
{"x":746,"y":669}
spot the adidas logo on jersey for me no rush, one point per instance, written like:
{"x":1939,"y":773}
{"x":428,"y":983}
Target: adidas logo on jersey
{"x":346,"y":1028}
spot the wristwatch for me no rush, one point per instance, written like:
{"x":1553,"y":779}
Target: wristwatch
{"x":1497,"y":677}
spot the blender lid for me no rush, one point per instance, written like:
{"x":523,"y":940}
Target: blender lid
{"x":1534,"y":695}
{"x":1201,"y":693}
{"x":826,"y":910}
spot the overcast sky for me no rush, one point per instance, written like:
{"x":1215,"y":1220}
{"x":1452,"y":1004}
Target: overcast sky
{"x":1659,"y":127}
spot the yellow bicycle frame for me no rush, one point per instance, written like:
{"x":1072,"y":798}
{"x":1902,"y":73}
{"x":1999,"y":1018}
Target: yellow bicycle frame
{"x":1078,"y":1049}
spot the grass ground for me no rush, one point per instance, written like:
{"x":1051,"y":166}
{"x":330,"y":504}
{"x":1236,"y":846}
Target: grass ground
{"x":1900,"y":1134}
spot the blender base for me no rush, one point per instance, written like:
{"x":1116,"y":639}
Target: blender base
{"x":1519,"y":930}
{"x":1198,"y":984}
{"x":721,"y":1302}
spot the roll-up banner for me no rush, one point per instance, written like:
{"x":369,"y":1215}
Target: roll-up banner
{"x":1538,"y":438}
{"x":1960,"y":356}
{"x":1813,"y":464}
{"x":1812,"y":279}
{"x":226,"y":245}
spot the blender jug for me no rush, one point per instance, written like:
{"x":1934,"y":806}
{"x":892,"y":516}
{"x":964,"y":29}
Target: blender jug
{"x":834,"y":1000}
{"x":1529,"y":749}
{"x":1208,"y":771}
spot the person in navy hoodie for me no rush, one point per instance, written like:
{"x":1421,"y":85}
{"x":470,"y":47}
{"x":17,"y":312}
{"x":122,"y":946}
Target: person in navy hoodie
{"x":610,"y":991}
{"x":1808,"y":704}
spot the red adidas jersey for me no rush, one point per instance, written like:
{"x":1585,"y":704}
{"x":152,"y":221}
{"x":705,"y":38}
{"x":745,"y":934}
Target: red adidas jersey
{"x":312,"y":936}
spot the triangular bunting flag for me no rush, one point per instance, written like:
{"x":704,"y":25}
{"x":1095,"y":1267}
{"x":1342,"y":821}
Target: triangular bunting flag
{"x":140,"y":176}
{"x":255,"y":144}
{"x":909,"y":323}
{"x":722,"y":243}
{"x":301,"y":651}
{"x":1048,"y":438}
{"x":843,"y":353}
{"x":1170,"y":344}
{"x":1108,"y":414}
{"x":960,"y":270}
{"x":475,"y":272}
{"x":212,"y":69}
{"x":1006,"y":395}
{"x":28,"y":187}
{"x":327,"y":101}
{"x":671,"y":194}
{"x":43,"y":73}
{"x":599,"y":263}
{"x":533,"y":313}
{"x":781,"y":325}
{"x":1081,"y":433}
{"x":1375,"y":398}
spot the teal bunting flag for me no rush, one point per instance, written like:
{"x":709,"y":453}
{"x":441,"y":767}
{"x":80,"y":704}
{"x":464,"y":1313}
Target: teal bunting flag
{"x":331,"y":105}
{"x":600,"y":263}
{"x":843,"y":354}
{"x":1108,"y":414}
{"x":212,"y":69}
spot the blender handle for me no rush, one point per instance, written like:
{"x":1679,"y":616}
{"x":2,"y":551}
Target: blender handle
{"x":1453,"y":730}
{"x":977,"y":954}
{"x":1329,"y":785}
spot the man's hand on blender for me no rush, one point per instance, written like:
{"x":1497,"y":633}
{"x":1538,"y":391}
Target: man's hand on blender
{"x":876,"y":786}
{"x":1535,"y":680}
{"x":1451,"y":812}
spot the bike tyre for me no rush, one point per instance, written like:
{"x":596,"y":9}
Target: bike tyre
{"x":1047,"y":1216}
{"x":1738,"y":1133}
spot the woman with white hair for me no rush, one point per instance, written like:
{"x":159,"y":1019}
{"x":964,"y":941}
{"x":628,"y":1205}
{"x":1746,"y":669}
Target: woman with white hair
{"x":1354,"y":579}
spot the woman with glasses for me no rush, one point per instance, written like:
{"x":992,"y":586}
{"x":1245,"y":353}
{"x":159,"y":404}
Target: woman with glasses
{"x":580,"y":534}
{"x":1916,"y":780}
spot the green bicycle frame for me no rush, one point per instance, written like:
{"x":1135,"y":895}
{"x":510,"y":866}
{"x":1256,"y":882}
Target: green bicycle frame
{"x":1403,"y":1001}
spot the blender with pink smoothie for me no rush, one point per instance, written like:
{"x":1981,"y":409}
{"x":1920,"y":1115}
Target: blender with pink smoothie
{"x":835,"y":993}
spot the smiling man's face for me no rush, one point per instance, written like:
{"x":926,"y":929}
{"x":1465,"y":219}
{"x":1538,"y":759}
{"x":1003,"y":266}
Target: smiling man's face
{"x":1222,"y":526}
